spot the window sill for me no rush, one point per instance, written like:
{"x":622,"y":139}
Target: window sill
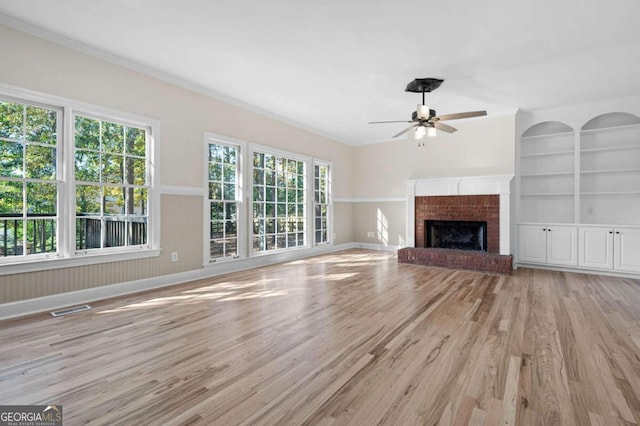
{"x":70,"y":262}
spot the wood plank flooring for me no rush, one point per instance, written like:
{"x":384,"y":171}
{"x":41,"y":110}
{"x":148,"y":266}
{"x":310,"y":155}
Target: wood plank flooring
{"x":347,"y":338}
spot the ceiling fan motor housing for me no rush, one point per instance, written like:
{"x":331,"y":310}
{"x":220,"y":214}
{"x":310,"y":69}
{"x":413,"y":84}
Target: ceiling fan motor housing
{"x":414,"y":115}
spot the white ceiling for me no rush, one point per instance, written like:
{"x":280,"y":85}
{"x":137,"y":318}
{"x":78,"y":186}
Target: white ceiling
{"x":334,"y":65}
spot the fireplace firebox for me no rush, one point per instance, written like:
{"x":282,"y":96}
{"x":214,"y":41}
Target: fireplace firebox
{"x":456,"y":234}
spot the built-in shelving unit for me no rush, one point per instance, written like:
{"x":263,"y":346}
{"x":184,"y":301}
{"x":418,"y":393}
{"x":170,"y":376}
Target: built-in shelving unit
{"x":578,"y":194}
{"x":610,"y":170}
{"x":547,"y":173}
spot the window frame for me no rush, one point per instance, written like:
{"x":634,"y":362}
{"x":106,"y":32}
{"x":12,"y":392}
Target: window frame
{"x":210,"y":137}
{"x":329,"y":202}
{"x":66,"y":255}
{"x":253,"y":148}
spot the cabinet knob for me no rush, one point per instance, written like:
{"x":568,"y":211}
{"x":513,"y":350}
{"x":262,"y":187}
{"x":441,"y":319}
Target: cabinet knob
{"x":617,"y":232}
{"x":544,"y":229}
{"x":549,"y":229}
{"x":611,"y":232}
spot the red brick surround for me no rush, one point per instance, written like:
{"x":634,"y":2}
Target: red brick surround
{"x":461,"y":207}
{"x":458,"y":207}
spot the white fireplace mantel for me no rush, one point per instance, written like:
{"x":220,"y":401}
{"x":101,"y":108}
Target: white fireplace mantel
{"x":468,"y":185}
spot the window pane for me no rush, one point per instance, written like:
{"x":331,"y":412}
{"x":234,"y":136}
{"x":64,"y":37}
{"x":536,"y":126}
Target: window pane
{"x":215,"y":172}
{"x":230,"y":154}
{"x":137,"y":201}
{"x":87,"y":166}
{"x":87,"y":200}
{"x":258,"y":160}
{"x":11,"y":198}
{"x":231,"y":211}
{"x":113,"y":201}
{"x":41,"y":199}
{"x":136,"y":171}
{"x":41,"y":125}
{"x":215,"y":191}
{"x":136,"y":141}
{"x":215,"y":152}
{"x":216,"y":249}
{"x":137,"y":231}
{"x":88,"y":233}
{"x":115,"y":232}
{"x":112,"y":168}
{"x":41,"y":236}
{"x":230,"y":229}
{"x":231,"y":247}
{"x":217,"y":229}
{"x":87,"y":133}
{"x":229,"y":191}
{"x":10,"y":159}
{"x":229,"y":174}
{"x":217,"y":211}
{"x":40,"y":162}
{"x":270,"y":161}
{"x":112,"y":137}
{"x":11,"y":116}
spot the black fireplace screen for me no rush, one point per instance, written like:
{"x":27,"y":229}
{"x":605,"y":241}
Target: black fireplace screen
{"x":455,"y":234}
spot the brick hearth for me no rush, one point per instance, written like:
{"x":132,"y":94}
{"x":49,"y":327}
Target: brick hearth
{"x":456,"y":259}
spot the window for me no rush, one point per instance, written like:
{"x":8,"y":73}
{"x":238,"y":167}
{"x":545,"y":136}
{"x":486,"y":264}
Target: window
{"x":278,"y":202}
{"x":111,"y":188}
{"x":321,"y":202}
{"x":66,"y":194}
{"x":223,"y":179}
{"x":29,"y":139}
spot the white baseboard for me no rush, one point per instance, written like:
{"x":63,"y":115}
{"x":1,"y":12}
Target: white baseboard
{"x":49,"y":303}
{"x":380,"y":247}
{"x":577,"y":270}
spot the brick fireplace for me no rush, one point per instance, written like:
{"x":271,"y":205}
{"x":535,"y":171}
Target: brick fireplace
{"x":472,"y":200}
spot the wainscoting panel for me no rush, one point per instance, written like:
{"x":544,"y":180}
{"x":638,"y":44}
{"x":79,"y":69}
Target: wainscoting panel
{"x":181,"y":231}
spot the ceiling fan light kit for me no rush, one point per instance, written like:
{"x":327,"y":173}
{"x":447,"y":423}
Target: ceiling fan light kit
{"x":424,"y":119}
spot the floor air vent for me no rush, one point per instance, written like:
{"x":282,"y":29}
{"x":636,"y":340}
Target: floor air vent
{"x":68,"y":311}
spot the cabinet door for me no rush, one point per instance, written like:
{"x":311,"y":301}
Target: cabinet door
{"x":562,"y":245}
{"x":627,"y":250}
{"x":596,"y":248}
{"x":532,"y":244}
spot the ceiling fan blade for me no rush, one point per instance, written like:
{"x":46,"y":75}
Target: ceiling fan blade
{"x":444,"y":127}
{"x":404,"y":131}
{"x":459,"y":115}
{"x":382,"y":122}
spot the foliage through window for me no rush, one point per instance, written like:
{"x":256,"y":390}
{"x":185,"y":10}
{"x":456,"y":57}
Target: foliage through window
{"x":278,"y":202}
{"x":111,"y":190}
{"x":321,"y":202}
{"x":223,"y":204}
{"x":29,"y":141}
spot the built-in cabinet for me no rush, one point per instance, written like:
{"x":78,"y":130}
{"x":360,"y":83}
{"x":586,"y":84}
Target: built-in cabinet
{"x":578,"y":194}
{"x":549,"y":244}
{"x":616,"y":249}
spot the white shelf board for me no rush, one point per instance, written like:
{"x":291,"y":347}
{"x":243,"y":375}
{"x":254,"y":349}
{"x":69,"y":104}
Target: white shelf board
{"x":547,"y":194}
{"x":547,"y":174}
{"x":544,"y":154}
{"x":549,"y":135}
{"x":612,"y":148}
{"x":611,"y":171}
{"x":609,"y":129}
{"x":611,"y":193}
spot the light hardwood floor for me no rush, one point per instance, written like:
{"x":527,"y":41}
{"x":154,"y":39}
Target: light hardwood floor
{"x":348,"y":338}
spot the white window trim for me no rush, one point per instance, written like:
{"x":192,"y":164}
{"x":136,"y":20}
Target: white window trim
{"x":67,"y":256}
{"x":329,"y":164}
{"x":241,"y":230}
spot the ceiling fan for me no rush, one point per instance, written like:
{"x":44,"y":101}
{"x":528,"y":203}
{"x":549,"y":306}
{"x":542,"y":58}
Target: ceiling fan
{"x":425,"y":121}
